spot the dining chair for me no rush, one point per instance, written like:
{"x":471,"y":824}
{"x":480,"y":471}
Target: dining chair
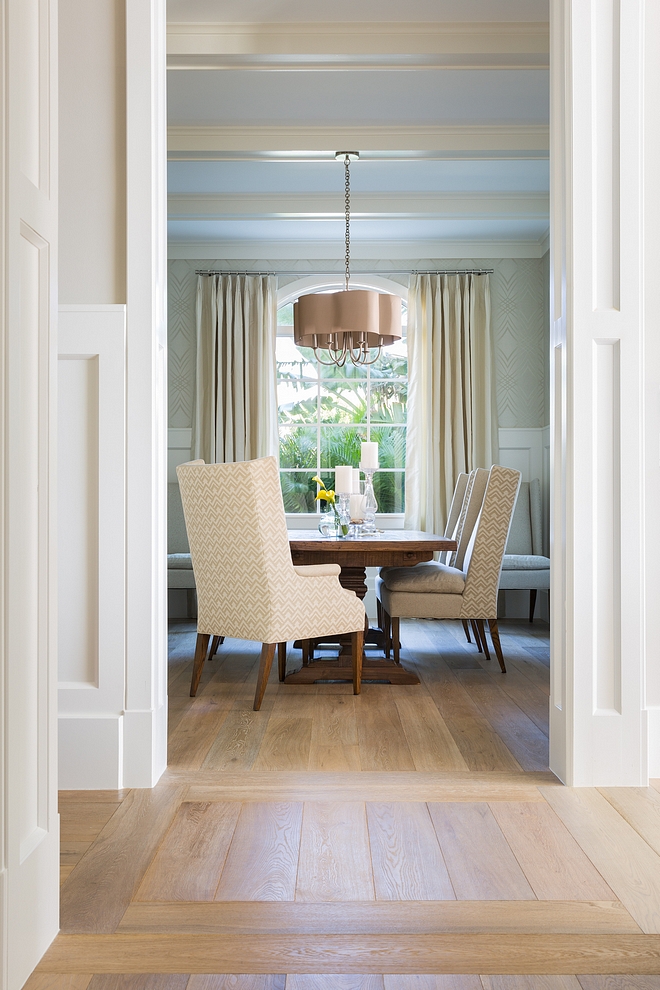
{"x":247,"y":585}
{"x":440,"y":591}
{"x":524,"y":566}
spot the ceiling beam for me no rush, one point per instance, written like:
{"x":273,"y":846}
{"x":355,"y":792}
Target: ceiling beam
{"x":358,"y":63}
{"x":373,"y":206}
{"x":521,"y":140}
{"x":359,"y":38}
{"x":426,"y":253}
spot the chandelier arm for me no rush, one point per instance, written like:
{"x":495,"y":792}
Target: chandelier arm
{"x":333,"y":363}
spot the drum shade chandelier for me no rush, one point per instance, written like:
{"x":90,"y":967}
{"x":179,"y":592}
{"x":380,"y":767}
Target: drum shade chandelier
{"x":348,"y":325}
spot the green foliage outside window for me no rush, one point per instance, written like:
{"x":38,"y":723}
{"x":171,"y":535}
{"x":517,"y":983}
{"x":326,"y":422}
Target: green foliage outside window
{"x":326,"y":412}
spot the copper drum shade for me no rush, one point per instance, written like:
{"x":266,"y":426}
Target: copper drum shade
{"x":371,"y":319}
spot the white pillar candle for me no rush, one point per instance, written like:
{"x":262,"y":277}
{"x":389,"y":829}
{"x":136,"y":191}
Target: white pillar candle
{"x":357,"y":508}
{"x":356,"y":480}
{"x":343,"y":480}
{"x":369,"y":456}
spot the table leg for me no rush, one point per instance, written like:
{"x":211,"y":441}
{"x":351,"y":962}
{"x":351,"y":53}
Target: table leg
{"x":373,"y":669}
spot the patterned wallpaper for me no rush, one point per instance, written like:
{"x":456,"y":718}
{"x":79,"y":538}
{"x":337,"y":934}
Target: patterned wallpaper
{"x":520,"y":318}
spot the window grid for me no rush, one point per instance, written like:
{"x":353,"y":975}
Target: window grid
{"x":364,"y":428}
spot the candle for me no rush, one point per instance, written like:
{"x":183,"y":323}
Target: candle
{"x":357,"y":508}
{"x":356,"y":480}
{"x":343,"y":480}
{"x":369,"y":459}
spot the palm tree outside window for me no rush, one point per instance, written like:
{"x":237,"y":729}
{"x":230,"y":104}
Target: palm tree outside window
{"x":325,"y":413}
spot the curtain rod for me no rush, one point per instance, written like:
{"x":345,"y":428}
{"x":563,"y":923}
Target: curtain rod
{"x":403,"y":271}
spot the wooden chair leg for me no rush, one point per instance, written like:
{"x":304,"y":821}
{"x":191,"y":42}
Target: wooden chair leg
{"x":201,"y":647}
{"x":495,"y":636}
{"x":265,"y":663}
{"x":357,"y":649}
{"x":477,"y":637}
{"x":281,"y":660}
{"x":482,"y":633}
{"x":216,"y":642}
{"x":305,"y":652}
{"x":466,"y":629}
{"x":532,"y":604}
{"x":379,"y":613}
{"x":396,"y":643}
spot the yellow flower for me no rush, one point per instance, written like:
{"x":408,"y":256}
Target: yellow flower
{"x":318,"y":482}
{"x":327,"y":496}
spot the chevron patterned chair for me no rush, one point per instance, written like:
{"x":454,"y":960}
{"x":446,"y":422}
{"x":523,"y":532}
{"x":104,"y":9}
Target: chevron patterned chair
{"x":468,"y":590}
{"x":247,"y":585}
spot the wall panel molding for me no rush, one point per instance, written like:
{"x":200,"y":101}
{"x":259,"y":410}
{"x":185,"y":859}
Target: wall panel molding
{"x":92,"y":539}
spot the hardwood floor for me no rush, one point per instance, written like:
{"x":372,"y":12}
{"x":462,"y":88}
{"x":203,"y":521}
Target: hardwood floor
{"x":405,"y":839}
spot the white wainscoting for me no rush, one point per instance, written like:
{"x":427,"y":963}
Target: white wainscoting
{"x":92,"y":539}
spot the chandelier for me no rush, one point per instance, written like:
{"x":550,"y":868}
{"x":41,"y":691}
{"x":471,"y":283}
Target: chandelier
{"x":351,"y":325}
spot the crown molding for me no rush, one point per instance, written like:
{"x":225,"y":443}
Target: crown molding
{"x":325,"y":206}
{"x":293,"y":251}
{"x":358,"y":38}
{"x":545,"y":242}
{"x":476,"y":138}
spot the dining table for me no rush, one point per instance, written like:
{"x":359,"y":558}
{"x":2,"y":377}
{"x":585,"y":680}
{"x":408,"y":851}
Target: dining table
{"x":385,"y":548}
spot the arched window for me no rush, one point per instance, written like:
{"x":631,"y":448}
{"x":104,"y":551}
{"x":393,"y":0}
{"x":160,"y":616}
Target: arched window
{"x":325,"y":412}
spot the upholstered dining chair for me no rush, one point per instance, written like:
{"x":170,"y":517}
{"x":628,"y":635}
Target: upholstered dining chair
{"x":247,"y":585}
{"x":525,"y":566}
{"x":439,"y":591}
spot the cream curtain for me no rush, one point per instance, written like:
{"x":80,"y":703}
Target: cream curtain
{"x":452,"y":415}
{"x":235,"y":416}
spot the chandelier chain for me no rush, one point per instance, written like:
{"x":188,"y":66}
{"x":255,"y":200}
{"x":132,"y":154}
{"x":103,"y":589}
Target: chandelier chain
{"x":347,"y":205}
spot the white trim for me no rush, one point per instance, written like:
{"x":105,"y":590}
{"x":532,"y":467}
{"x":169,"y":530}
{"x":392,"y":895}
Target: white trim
{"x":355,"y":37}
{"x":292,"y":251}
{"x":308,"y":283}
{"x":268,"y":137}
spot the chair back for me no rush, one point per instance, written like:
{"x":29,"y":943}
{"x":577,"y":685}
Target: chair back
{"x":483,"y":559}
{"x":238,"y":542}
{"x":456,"y":505}
{"x":526,"y":534}
{"x":474,"y":497}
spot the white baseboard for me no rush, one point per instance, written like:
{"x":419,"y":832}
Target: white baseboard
{"x":90,"y":752}
{"x":141,"y":768}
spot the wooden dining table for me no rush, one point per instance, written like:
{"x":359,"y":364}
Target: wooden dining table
{"x":389,"y":548}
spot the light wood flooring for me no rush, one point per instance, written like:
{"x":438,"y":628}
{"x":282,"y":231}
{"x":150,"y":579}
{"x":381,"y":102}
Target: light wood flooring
{"x":406,"y":839}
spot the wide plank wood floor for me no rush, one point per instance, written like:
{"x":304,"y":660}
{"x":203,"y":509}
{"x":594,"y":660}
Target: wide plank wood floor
{"x":410,"y":838}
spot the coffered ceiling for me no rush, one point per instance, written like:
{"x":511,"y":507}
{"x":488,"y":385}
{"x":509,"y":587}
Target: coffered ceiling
{"x":448,"y":106}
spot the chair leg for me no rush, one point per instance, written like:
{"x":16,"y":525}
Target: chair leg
{"x":305,"y":652}
{"x":466,"y":629}
{"x":379,"y":613}
{"x":495,"y":636}
{"x":482,"y":633}
{"x":357,"y":649}
{"x":216,"y":642}
{"x":532,"y":604}
{"x":387,"y":642}
{"x":265,"y":663}
{"x":281,"y":660}
{"x":477,"y":637}
{"x":396,"y":642}
{"x":201,"y":646}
